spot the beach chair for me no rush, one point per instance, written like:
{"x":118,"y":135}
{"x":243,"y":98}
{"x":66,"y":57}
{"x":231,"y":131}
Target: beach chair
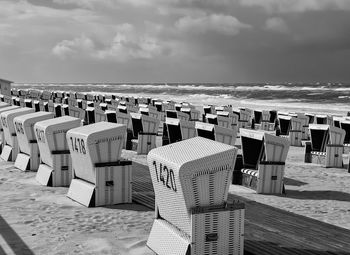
{"x":324,"y":119}
{"x":216,"y":133}
{"x":178,"y":130}
{"x":345,"y":124}
{"x":264,"y":156}
{"x":4,"y":107}
{"x":284,"y":124}
{"x":111,"y":116}
{"x":304,"y":125}
{"x":145,"y":130}
{"x":244,"y":119}
{"x":263,"y":118}
{"x":44,"y":106}
{"x":101,"y":176}
{"x":36,"y":105}
{"x":296,"y":131}
{"x":192,"y":215}
{"x":327,"y":145}
{"x":125,"y":118}
{"x":177,"y":115}
{"x":46,"y":95}
{"x":76,"y":112}
{"x":28,"y":157}
{"x":10,"y":142}
{"x":55,"y":167}
{"x":209,"y":109}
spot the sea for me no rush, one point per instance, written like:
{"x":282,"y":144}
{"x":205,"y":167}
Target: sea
{"x":327,"y":98}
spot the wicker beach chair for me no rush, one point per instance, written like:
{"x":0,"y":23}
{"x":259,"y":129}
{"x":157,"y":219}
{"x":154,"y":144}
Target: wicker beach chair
{"x":217,"y":133}
{"x":191,"y":180}
{"x":10,"y":149}
{"x":28,"y":157}
{"x":55,"y":168}
{"x":145,"y":129}
{"x":264,"y":156}
{"x":327,"y":145}
{"x":101,"y":176}
{"x":4,"y":107}
{"x":245,"y":117}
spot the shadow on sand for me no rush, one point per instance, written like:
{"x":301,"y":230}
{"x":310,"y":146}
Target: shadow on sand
{"x":318,"y":195}
{"x":16,"y":244}
{"x":293,"y":182}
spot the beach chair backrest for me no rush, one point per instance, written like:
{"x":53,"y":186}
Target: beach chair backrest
{"x":76,"y":112}
{"x":194,"y":114}
{"x":321,"y":119}
{"x":124,"y":118}
{"x":224,"y":122}
{"x":244,"y":115}
{"x":154,"y":114}
{"x":208,"y":109}
{"x":330,"y":120}
{"x":225,"y":135}
{"x":205,"y":130}
{"x":24,"y":125}
{"x":211,"y":118}
{"x":122,"y":108}
{"x":159,"y":106}
{"x":188,"y":129}
{"x":100,"y":115}
{"x":150,"y":124}
{"x":171,"y":114}
{"x":285,"y":125}
{"x":273,"y":116}
{"x":304,"y":120}
{"x":112,"y":107}
{"x":94,"y":144}
{"x":346,"y":126}
{"x":336,"y":135}
{"x":319,"y":136}
{"x":265,"y":115}
{"x":174,"y":130}
{"x":111,"y":116}
{"x":189,"y":174}
{"x":296,"y":124}
{"x":257,"y":116}
{"x":252,"y":147}
{"x":276,"y":148}
{"x":183,"y":116}
{"x":136,"y":124}
{"x":51,"y":136}
{"x":7,"y":123}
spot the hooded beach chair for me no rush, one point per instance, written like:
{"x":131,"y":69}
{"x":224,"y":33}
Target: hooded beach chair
{"x":10,"y":149}
{"x":145,"y":129}
{"x":304,"y":125}
{"x":263,"y":120}
{"x":178,"y":130}
{"x":125,"y":118}
{"x":28,"y":157}
{"x":192,"y":215}
{"x":55,"y":167}
{"x":101,"y":176}
{"x":4,"y":107}
{"x":245,"y":116}
{"x":324,"y":119}
{"x":264,"y":156}
{"x":327,"y":145}
{"x":217,"y":133}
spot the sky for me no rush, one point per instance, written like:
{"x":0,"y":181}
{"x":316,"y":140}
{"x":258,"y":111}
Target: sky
{"x":175,"y":40}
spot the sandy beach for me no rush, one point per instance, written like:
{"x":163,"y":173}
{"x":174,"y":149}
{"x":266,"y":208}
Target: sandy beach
{"x":42,"y":220}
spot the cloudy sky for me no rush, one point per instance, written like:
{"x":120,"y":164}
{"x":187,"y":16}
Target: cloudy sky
{"x":174,"y":40}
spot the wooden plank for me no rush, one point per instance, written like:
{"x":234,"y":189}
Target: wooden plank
{"x":268,"y":230}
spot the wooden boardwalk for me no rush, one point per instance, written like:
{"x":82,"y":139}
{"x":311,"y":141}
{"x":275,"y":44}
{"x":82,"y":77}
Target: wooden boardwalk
{"x":268,"y":230}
